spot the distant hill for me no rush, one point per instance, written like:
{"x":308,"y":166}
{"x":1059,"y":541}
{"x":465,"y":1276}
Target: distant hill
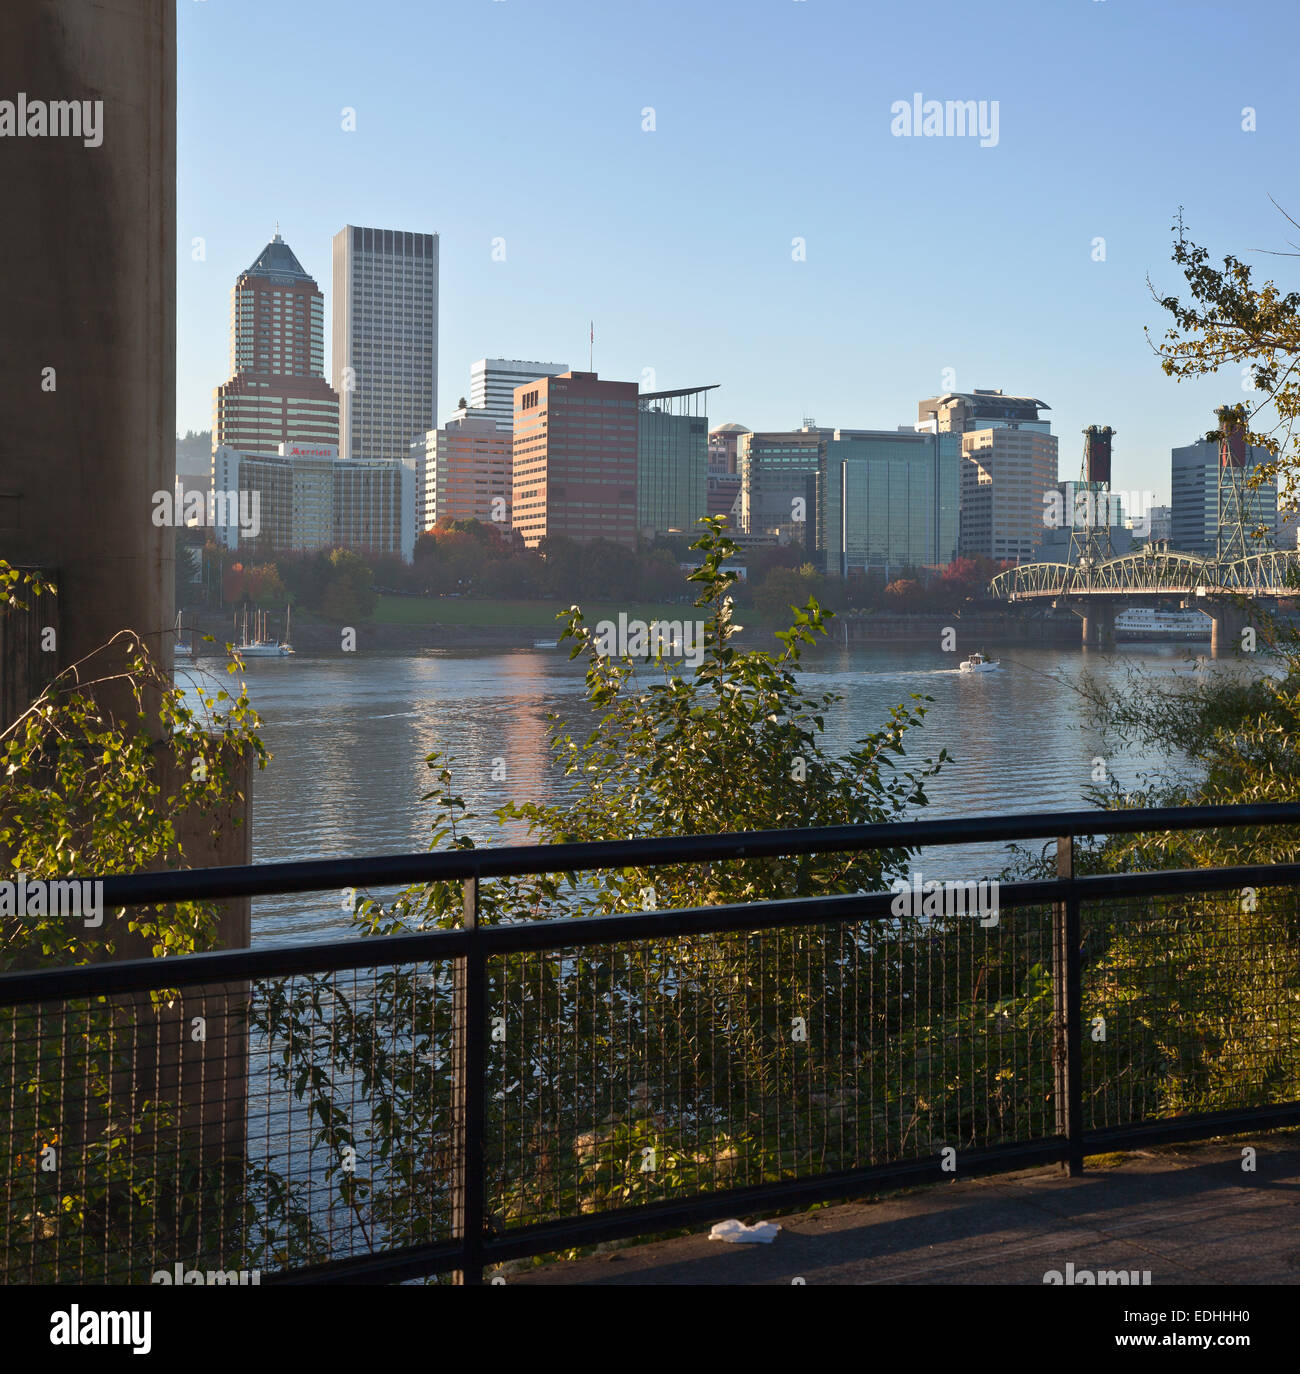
{"x":194,"y":452}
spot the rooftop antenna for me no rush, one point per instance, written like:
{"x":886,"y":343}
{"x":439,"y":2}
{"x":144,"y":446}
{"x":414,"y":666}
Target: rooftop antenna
{"x":591,"y":346}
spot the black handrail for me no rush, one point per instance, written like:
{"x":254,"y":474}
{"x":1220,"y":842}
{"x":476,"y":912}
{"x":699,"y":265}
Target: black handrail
{"x":329,"y":956}
{"x":469,"y":947}
{"x":315,"y":875}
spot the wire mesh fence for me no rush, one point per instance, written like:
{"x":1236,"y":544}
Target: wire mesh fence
{"x":232,"y":1130}
{"x":1191,"y":1004}
{"x":639,"y":1072}
{"x":419,"y":1104}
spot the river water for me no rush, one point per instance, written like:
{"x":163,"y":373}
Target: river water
{"x":349,"y":735}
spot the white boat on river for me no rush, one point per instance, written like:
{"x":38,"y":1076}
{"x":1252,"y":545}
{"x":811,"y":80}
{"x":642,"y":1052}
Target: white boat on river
{"x":977,"y":663}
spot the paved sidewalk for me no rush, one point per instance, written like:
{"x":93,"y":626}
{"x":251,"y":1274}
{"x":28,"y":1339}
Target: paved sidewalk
{"x":1188,"y":1213}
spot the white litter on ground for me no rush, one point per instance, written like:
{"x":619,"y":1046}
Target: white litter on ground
{"x":740,"y":1234}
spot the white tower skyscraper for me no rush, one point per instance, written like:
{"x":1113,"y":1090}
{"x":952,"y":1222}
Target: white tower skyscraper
{"x":385,"y":340}
{"x":492,"y":383}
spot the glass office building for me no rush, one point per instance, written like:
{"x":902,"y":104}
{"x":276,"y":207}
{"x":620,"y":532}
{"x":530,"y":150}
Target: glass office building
{"x":887,"y":500}
{"x":778,"y":475}
{"x":672,"y":461}
{"x":1194,"y":525}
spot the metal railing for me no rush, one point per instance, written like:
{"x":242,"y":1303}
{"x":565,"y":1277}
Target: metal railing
{"x":407,"y":1105}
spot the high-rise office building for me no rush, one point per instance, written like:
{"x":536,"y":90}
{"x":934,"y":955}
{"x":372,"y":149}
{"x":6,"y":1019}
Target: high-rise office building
{"x":1194,"y":523}
{"x":277,"y":392}
{"x":887,"y":500}
{"x":1009,"y":463}
{"x":672,"y":461}
{"x":778,"y":476}
{"x":385,"y":340}
{"x":492,"y":383}
{"x":1005,"y":472}
{"x":468,"y":471}
{"x":857,"y":499}
{"x":960,"y":412}
{"x":722,"y":447}
{"x":575,"y":459}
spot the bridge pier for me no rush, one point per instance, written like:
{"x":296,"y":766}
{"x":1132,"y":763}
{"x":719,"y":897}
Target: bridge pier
{"x":1227,"y":620}
{"x":1098,"y":617}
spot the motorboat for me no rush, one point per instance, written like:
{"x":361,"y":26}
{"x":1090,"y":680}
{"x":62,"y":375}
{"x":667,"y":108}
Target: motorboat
{"x":977,"y":663}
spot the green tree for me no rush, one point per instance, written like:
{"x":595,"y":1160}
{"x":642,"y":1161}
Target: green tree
{"x":265,"y":587}
{"x":607,"y":571}
{"x":84,"y":793}
{"x":1229,"y":320}
{"x":348,"y":594}
{"x":663,"y":758}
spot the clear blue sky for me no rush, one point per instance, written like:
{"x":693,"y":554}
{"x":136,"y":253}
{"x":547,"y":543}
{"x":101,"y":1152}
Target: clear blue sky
{"x":522,"y":119}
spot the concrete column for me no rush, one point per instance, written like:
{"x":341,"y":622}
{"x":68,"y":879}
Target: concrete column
{"x":1098,"y":614}
{"x":1227,"y":620}
{"x":88,"y":330}
{"x":87,"y":396}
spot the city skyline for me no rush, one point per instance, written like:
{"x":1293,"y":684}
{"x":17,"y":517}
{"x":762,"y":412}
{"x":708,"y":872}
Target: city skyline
{"x":685,"y":262}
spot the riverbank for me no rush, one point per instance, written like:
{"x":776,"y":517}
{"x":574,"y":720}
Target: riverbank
{"x":412,"y":623}
{"x":980,"y":627}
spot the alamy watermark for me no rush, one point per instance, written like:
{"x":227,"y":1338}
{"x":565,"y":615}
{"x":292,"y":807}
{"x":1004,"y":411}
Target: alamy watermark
{"x":23,"y":118}
{"x":930,"y":897}
{"x":1100,"y":1278}
{"x":1089,"y":507}
{"x":218,"y":509}
{"x":59,"y":898}
{"x":178,"y":1274}
{"x":72,"y":1326}
{"x":682,"y":639}
{"x":920,"y":118}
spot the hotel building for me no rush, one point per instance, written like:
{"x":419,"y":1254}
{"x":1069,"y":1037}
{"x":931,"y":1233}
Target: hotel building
{"x":309,"y":498}
{"x":1004,"y":475}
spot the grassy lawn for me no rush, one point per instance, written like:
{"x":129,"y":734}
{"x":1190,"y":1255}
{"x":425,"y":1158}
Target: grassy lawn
{"x":484,"y":612}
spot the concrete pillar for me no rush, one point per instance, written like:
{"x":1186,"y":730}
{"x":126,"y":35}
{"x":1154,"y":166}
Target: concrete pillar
{"x":87,"y":395}
{"x":1227,"y":620}
{"x":1098,"y":617}
{"x":88,"y":330}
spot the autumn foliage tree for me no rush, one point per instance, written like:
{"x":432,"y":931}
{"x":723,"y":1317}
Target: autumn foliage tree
{"x":1228,"y":319}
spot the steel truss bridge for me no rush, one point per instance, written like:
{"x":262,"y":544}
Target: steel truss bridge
{"x":1155,"y":572}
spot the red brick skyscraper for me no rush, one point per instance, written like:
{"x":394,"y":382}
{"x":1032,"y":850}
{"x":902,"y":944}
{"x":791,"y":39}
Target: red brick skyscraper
{"x":277,"y":392}
{"x":575,"y":459}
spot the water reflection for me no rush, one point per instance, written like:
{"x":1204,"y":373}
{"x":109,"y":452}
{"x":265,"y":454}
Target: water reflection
{"x":349,"y":736}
